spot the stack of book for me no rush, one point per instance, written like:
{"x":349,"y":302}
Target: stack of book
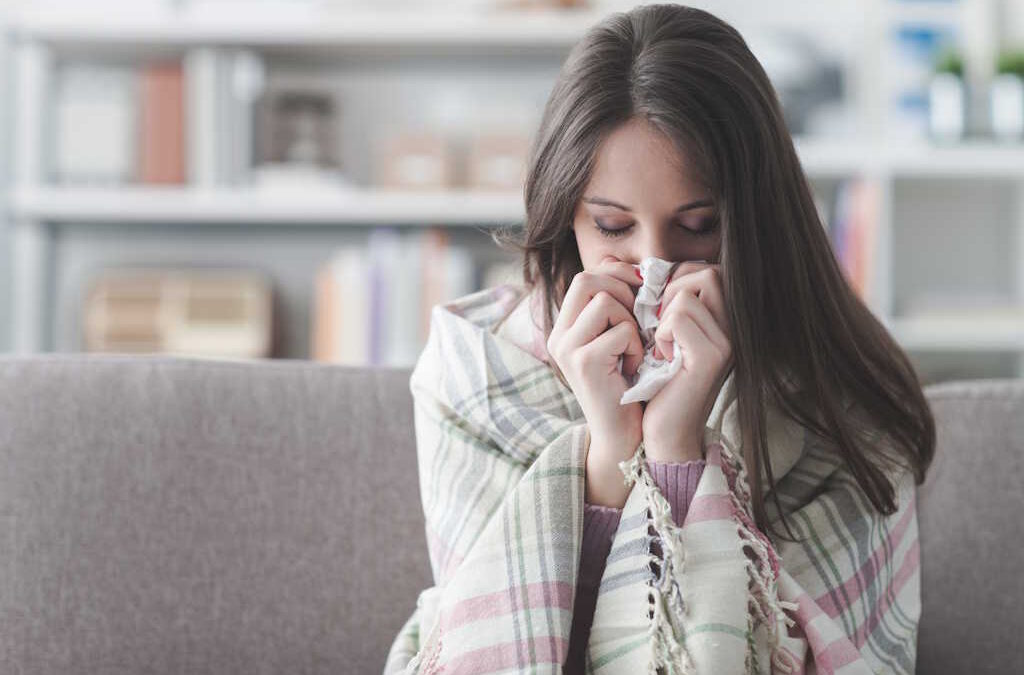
{"x":853,"y":229}
{"x":373,"y":303}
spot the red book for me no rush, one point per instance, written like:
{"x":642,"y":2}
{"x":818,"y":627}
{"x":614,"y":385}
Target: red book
{"x":162,"y":124}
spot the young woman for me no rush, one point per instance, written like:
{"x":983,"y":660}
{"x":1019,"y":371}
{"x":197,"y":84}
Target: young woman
{"x":757,"y":513}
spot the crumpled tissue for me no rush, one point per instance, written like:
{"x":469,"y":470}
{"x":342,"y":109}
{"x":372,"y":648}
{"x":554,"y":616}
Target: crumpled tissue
{"x":653,"y":372}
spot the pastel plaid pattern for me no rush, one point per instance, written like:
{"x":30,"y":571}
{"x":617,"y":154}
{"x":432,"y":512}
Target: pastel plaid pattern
{"x":501,"y":450}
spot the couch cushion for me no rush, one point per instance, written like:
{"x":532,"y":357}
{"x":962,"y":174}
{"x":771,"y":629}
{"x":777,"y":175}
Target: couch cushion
{"x":971,"y":516}
{"x":167,"y":515}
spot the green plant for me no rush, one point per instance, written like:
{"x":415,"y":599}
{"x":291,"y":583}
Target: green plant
{"x":1011,"y":62}
{"x":950,"y":61}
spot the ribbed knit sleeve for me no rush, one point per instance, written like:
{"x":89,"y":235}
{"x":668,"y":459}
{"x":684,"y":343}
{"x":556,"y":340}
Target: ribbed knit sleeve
{"x":677,"y":481}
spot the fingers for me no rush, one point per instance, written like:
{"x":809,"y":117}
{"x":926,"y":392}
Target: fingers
{"x":684,"y":306}
{"x":602,"y":312}
{"x":682,"y":329}
{"x":621,"y":339}
{"x":696,"y":348}
{"x":704,"y":281}
{"x":622,"y":270}
{"x":611,"y":275}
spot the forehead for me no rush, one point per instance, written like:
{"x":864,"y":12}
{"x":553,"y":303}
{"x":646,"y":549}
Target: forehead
{"x":638,"y":162}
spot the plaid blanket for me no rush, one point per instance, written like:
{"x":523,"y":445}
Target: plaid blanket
{"x":501,"y":450}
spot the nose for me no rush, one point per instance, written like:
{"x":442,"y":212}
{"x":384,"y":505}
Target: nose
{"x":657,"y":244}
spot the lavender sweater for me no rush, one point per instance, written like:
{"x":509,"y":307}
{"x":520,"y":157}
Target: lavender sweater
{"x":677,"y":482}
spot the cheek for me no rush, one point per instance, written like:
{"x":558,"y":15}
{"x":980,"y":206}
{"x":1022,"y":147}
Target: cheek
{"x":591,"y":247}
{"x":712,"y":251}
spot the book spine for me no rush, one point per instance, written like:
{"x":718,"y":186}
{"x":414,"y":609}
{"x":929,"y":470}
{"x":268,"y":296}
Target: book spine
{"x":162,"y":132}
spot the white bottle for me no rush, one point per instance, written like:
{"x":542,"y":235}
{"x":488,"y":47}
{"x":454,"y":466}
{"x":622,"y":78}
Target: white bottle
{"x":946,"y":106}
{"x":1007,"y":98}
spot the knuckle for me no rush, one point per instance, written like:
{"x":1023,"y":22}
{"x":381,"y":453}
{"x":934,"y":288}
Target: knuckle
{"x":606,"y":301}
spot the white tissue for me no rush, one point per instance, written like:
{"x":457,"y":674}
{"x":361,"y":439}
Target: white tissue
{"x":653,"y":373}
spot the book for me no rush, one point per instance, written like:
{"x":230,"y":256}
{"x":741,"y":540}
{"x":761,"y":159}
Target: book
{"x":854,"y":232}
{"x":101,"y":102}
{"x":373,"y":302}
{"x":162,"y":124}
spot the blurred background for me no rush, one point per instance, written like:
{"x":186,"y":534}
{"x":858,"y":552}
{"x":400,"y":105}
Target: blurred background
{"x":305,"y":179}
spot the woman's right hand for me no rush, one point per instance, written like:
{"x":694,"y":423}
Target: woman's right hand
{"x":595,"y":327}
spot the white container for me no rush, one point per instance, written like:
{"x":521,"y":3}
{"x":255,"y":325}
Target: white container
{"x":946,"y":107}
{"x":1007,"y":99}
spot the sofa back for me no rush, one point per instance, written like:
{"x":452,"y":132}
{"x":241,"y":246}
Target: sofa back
{"x":971,"y":518}
{"x":168,"y":515}
{"x":161,"y":514}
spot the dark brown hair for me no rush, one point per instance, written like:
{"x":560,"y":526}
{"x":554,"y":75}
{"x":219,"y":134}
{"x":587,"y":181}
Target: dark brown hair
{"x":802,"y":338}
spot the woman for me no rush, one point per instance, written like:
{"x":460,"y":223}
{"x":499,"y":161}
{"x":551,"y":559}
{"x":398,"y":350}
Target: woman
{"x":756,"y":514}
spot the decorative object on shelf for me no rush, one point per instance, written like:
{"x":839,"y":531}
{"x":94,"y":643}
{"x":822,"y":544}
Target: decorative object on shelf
{"x":948,"y":97}
{"x":805,"y":74}
{"x":415,"y":160}
{"x":302,"y":125}
{"x":497,"y":161}
{"x":162,"y":124}
{"x":914,"y":49}
{"x":214,"y":313}
{"x":297,"y":142}
{"x":1007,"y":96}
{"x":99,"y":99}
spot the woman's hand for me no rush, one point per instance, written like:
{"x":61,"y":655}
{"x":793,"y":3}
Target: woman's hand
{"x":693,"y":313}
{"x":594,"y":329}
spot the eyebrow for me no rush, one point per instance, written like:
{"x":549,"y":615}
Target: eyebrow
{"x":685,"y":207}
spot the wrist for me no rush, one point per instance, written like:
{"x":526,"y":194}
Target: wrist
{"x":613,"y":444}
{"x":687,"y":450}
{"x":605,"y":484}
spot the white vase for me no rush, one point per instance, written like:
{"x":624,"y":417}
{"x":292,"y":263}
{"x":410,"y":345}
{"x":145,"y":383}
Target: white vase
{"x":1007,"y":99}
{"x":946,"y":107}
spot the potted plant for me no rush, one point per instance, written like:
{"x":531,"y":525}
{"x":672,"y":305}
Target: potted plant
{"x":947,"y":96}
{"x":1007,"y":96}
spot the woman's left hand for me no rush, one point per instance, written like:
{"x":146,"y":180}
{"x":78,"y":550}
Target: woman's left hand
{"x":693,"y":313}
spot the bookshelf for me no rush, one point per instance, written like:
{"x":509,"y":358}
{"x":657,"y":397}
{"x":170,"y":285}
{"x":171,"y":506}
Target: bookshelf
{"x":945,"y":219}
{"x":242,"y":206}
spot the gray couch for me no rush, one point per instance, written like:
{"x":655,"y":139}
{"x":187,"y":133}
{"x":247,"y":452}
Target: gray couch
{"x":172,"y":515}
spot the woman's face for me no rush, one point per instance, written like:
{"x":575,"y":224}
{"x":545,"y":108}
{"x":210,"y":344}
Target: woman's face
{"x":642,"y":190}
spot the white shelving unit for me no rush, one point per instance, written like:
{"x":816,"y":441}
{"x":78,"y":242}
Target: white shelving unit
{"x":299,"y":29}
{"x":242,"y":206}
{"x":899,"y":171}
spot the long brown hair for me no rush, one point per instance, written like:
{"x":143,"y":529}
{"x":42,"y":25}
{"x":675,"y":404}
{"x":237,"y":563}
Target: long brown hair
{"x":802,"y":338}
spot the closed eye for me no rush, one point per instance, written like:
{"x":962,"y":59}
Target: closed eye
{"x":708,"y":227}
